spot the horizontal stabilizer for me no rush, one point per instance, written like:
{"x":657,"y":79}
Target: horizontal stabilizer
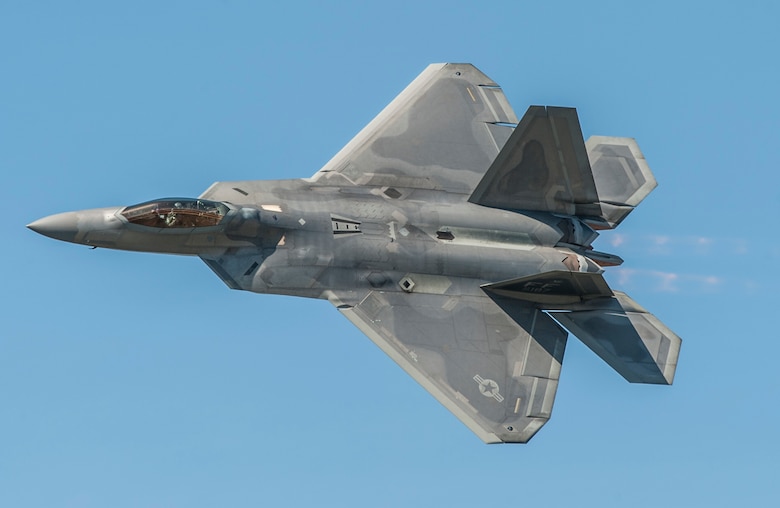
{"x":623,"y":178}
{"x":630,"y":339}
{"x":554,"y":287}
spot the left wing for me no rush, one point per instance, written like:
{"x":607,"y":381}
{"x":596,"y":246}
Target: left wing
{"x":442,"y":132}
{"x":493,"y":362}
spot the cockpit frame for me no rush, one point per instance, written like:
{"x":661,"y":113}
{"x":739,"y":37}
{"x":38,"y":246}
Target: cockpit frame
{"x":167,"y":213}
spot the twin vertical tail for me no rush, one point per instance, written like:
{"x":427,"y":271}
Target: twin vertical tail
{"x":546,"y":166}
{"x":631,"y":340}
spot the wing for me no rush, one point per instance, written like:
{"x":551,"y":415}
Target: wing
{"x":493,"y":362}
{"x":442,"y":132}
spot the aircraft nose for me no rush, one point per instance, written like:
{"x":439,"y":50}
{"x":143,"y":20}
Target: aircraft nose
{"x":62,"y":226}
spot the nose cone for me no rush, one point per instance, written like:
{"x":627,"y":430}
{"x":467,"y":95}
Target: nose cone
{"x":98,"y":226}
{"x":62,"y":226}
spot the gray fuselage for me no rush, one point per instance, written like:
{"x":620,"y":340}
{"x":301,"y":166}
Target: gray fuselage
{"x":302,"y":238}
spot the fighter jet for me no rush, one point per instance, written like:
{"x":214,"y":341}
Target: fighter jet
{"x":456,"y":237}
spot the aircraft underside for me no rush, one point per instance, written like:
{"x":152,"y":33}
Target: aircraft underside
{"x":455,"y":236}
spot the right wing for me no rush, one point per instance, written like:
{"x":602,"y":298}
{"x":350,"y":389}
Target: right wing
{"x":493,"y":362}
{"x":442,"y":132}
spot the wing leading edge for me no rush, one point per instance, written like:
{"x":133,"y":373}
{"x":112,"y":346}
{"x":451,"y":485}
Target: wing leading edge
{"x":492,"y":361}
{"x":442,"y":132}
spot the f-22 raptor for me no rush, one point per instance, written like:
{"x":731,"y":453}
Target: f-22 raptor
{"x":456,"y":237}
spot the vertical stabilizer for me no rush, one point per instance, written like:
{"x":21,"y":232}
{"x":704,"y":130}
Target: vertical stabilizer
{"x":630,"y":339}
{"x":546,"y":166}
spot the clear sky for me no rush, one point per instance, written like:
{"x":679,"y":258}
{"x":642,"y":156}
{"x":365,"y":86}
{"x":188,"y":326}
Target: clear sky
{"x":139,"y":380}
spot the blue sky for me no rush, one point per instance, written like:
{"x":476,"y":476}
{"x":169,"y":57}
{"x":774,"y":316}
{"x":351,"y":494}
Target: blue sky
{"x":133,"y":380}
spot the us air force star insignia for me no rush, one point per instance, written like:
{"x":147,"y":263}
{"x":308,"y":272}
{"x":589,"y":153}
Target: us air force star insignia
{"x":488,"y":388}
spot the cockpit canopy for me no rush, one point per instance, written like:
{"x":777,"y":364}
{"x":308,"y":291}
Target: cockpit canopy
{"x":176,"y":213}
